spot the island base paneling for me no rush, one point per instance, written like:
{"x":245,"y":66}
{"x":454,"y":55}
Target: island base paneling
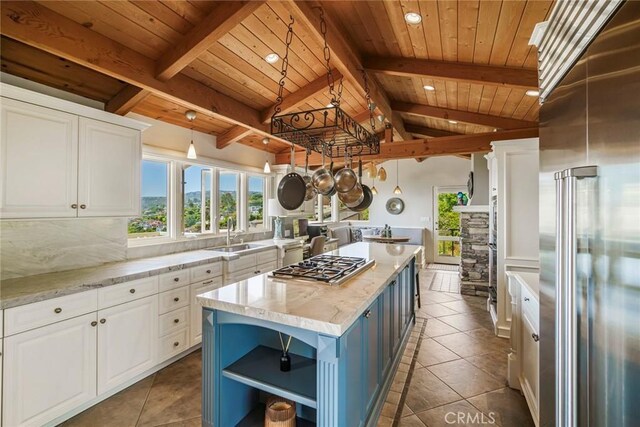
{"x":334,"y":380}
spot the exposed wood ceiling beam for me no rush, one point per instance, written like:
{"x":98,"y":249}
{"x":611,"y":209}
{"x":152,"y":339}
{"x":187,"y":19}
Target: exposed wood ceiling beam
{"x":234,"y":134}
{"x":521,"y":78}
{"x":344,"y":56}
{"x":224,"y":17}
{"x":461,"y":116}
{"x":301,"y":96}
{"x":427,"y":131}
{"x":37,"y":26}
{"x":126,"y":100}
{"x":443,"y":146}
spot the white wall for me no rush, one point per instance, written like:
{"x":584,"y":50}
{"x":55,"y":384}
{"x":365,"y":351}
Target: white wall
{"x":417,"y":181}
{"x":176,"y":138}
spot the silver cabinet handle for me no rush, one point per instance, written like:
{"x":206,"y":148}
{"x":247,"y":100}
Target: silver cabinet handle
{"x":133,"y":291}
{"x":74,"y":206}
{"x":176,"y":320}
{"x":207,"y":282}
{"x":176,"y":279}
{"x":103,"y":321}
{"x":535,"y":337}
{"x":83,"y":206}
{"x":367,"y":314}
{"x":57,"y":310}
{"x":208,"y":271}
{"x":175,"y":344}
{"x":94,"y":323}
{"x":526,"y":298}
{"x":176,"y":299}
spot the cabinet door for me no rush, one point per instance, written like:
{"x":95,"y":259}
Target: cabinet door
{"x":49,"y":371}
{"x":109,"y":169}
{"x":196,"y":309}
{"x":354,"y":402}
{"x":530,"y":359}
{"x":386,"y":320}
{"x":127,"y":341}
{"x":372,"y":353}
{"x":396,"y":305}
{"x":39,"y":161}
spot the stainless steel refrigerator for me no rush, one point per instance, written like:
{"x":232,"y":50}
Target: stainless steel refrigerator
{"x":590,"y":235}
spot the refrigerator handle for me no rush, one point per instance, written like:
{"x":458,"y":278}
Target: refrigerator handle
{"x":566,"y":315}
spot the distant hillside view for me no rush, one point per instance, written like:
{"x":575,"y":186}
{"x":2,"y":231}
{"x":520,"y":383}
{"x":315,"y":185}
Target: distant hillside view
{"x":153,"y":221}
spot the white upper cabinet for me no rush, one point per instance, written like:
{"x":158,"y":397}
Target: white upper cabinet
{"x":109,"y":169}
{"x":64,"y":160}
{"x":39,"y":161}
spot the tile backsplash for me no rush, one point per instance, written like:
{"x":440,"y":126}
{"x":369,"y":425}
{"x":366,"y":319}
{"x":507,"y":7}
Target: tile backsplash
{"x":30,"y":247}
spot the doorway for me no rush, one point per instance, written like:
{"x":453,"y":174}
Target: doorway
{"x":446,"y":230}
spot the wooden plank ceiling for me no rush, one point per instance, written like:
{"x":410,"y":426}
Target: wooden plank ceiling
{"x":211,"y":56}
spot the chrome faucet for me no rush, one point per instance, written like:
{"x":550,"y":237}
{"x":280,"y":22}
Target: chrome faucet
{"x":230,"y":238}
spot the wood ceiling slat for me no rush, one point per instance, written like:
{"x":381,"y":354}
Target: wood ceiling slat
{"x":416,"y":32}
{"x":510,"y":16}
{"x":144,"y":20}
{"x":488,"y":93}
{"x":488,"y":15}
{"x":431,"y":29}
{"x":255,"y":141}
{"x":191,"y":11}
{"x":160,"y":11}
{"x":468,"y":20}
{"x":523,"y":107}
{"x":100,"y":23}
{"x":452,"y":94}
{"x":512,"y":102}
{"x":520,"y":48}
{"x":499,"y":100}
{"x":463,"y":95}
{"x":475,"y":96}
{"x":398,"y":26}
{"x":448,"y":10}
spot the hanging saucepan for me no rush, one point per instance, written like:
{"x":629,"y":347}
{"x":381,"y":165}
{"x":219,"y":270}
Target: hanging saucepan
{"x":311,"y":191}
{"x":292,"y":188}
{"x":322,"y":179}
{"x":346,"y":178}
{"x":368,"y":195}
{"x":333,"y":189}
{"x":353,"y":197}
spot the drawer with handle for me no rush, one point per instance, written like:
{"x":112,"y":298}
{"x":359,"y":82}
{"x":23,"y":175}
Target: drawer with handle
{"x":172,"y":300}
{"x":242,"y":263}
{"x":529,"y":304}
{"x":206,"y":271}
{"x":31,"y":316}
{"x":173,"y":344}
{"x":173,"y":321}
{"x":127,"y":291}
{"x":174,"y":279}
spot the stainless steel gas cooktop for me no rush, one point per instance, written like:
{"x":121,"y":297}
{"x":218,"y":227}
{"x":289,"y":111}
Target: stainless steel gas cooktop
{"x":330,"y":269}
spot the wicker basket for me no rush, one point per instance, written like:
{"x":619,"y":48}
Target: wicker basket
{"x":280,"y":412}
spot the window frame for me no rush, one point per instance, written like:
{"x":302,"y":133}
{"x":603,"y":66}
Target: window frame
{"x":265,"y":182}
{"x":214,"y":200}
{"x":175,"y":196}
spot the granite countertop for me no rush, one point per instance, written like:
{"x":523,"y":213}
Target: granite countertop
{"x":30,"y":289}
{"x":315,"y":306}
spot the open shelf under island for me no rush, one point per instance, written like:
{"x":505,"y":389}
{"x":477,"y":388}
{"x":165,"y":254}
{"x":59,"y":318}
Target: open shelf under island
{"x":347,"y":341}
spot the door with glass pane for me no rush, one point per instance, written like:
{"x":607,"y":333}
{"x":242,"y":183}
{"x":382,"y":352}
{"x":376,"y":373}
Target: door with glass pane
{"x":446,"y":231}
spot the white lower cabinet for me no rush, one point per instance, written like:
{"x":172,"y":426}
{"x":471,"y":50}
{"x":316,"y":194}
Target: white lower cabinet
{"x":127,"y":336}
{"x":49,"y":371}
{"x":196,"y":309}
{"x":530,"y":364}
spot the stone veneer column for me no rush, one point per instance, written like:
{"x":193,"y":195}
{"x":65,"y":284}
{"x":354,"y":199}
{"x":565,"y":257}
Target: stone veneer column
{"x":474,"y":253}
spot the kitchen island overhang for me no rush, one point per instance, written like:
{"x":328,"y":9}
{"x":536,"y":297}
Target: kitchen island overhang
{"x":347,"y":342}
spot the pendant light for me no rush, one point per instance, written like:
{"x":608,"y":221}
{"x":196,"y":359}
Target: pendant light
{"x":397,"y":190}
{"x":267,"y":166}
{"x":191,"y":152}
{"x":382,"y":174}
{"x":372,"y":170}
{"x":374,"y":190}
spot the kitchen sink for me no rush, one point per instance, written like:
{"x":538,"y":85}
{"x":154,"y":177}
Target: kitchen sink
{"x":235,"y":248}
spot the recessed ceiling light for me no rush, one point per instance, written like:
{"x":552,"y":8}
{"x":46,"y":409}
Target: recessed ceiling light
{"x":453,"y":122}
{"x":532,"y":93}
{"x":412,"y":18}
{"x":428,"y":87}
{"x":272,"y":58}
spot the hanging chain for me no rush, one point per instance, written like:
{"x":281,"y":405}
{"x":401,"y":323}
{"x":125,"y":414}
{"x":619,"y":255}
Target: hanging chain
{"x":367,"y":96}
{"x":335,"y":96}
{"x":285,"y":67}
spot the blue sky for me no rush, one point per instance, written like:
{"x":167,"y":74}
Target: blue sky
{"x":154,"y":180}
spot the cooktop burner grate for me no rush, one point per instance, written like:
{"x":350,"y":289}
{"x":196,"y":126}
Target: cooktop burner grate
{"x":332,"y":269}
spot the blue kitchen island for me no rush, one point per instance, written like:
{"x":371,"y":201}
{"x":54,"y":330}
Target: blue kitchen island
{"x":347,"y":341}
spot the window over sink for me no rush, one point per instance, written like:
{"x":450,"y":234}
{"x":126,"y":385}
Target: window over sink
{"x":155,"y":219}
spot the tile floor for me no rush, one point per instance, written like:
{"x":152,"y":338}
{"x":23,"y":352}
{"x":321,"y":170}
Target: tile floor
{"x":453,"y":373}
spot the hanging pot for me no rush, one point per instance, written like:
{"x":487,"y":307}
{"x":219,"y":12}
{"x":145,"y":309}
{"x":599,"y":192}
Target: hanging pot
{"x":367,"y":194}
{"x":352,"y":198}
{"x":292,"y":188}
{"x":322,"y":180}
{"x":346,"y":179}
{"x":310,"y":190}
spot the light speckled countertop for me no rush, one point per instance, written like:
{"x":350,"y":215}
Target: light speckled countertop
{"x":29,"y":289}
{"x":315,"y":306}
